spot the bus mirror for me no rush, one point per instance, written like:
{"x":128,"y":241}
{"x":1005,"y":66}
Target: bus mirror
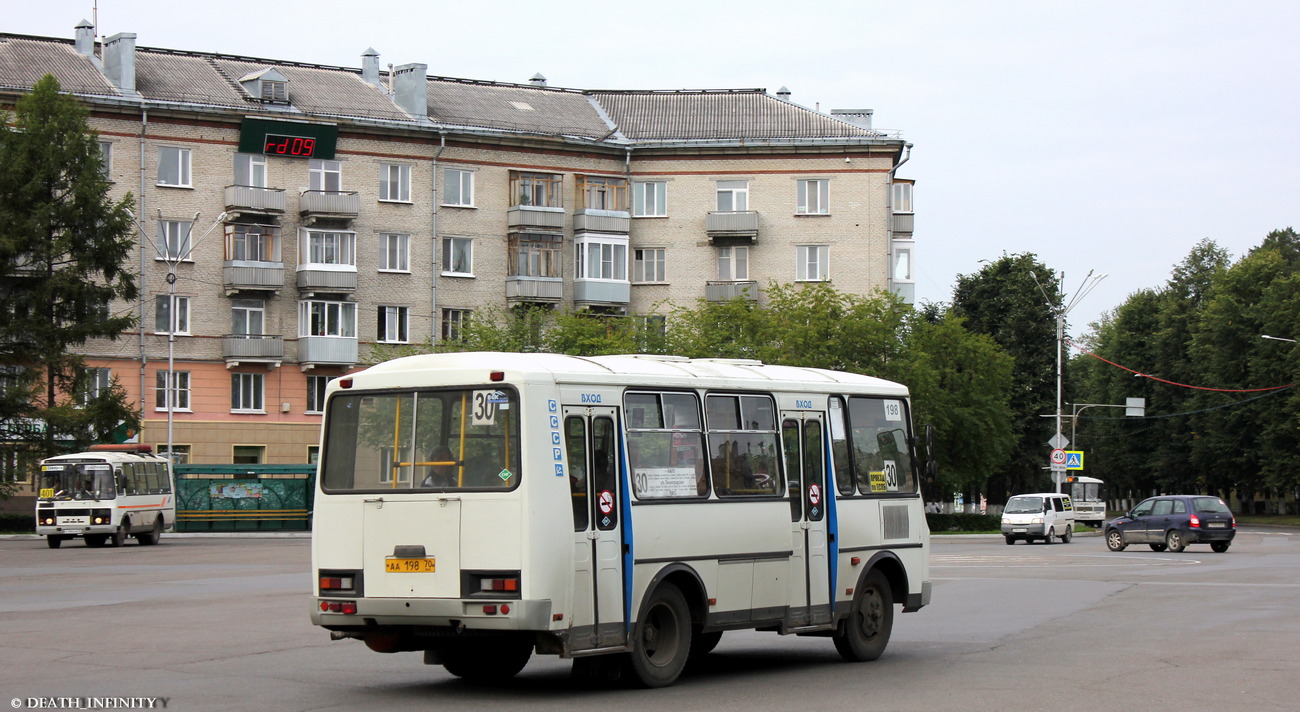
{"x":929,"y":441}
{"x":931,"y":470}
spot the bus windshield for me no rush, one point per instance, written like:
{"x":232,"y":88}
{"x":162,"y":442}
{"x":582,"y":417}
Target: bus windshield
{"x":435,"y":440}
{"x":77,"y":481}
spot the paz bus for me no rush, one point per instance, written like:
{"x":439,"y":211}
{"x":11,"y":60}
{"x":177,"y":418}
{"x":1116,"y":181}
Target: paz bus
{"x":622,"y":511}
{"x":1089,"y":497}
{"x":105,"y":495}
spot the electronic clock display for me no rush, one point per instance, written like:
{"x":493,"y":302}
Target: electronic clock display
{"x":279,"y":145}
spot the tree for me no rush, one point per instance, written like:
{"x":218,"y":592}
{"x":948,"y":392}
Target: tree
{"x":64,"y":248}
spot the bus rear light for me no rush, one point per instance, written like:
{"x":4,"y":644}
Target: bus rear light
{"x":505,"y":609}
{"x":497,"y":376}
{"x":345,"y":383}
{"x":336,"y":583}
{"x":490,"y":610}
{"x":509,"y":585}
{"x":349,"y":607}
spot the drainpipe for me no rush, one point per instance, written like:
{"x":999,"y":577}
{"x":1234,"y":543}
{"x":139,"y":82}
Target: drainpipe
{"x":889,"y":207}
{"x":434,"y":321}
{"x":144,"y":357}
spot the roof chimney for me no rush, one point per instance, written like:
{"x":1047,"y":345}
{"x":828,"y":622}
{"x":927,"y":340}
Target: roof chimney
{"x":783,"y":93}
{"x":85,"y":43}
{"x":858,"y":117}
{"x":410,"y":89}
{"x":370,"y":67}
{"x":119,"y":61}
{"x":538,"y":80}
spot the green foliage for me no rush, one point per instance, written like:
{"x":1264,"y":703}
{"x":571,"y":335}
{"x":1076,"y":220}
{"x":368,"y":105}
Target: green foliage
{"x":17,"y":523}
{"x":963,"y":522}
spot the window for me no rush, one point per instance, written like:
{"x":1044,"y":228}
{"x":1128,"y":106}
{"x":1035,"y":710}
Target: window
{"x":274,"y":91}
{"x":813,"y":197}
{"x":174,"y":239}
{"x":316,"y":393}
{"x":248,"y":317}
{"x":742,"y":445}
{"x":323,"y":318}
{"x":98,"y":383}
{"x":174,"y":166}
{"x":178,"y":395}
{"x":394,"y":252}
{"x":180,"y":454}
{"x":535,"y":254}
{"x":453,"y":323}
{"x":329,"y":248}
{"x":648,"y":265}
{"x":246,"y":392}
{"x":539,"y":189}
{"x":171,"y":314}
{"x":665,"y":445}
{"x":733,"y":195}
{"x":902,"y":197}
{"x":733,"y":264}
{"x":458,"y":187}
{"x":813,"y":263}
{"x":458,"y":256}
{"x":252,"y":243}
{"x":250,"y":170}
{"x":600,"y":257}
{"x":650,"y":200}
{"x":902,"y":263}
{"x":324,"y":175}
{"x":106,"y":157}
{"x":395,"y":183}
{"x":248,"y":454}
{"x":392,"y":325}
{"x":878,"y":434}
{"x":602,"y":193}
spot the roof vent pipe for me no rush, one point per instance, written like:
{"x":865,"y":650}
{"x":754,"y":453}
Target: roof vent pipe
{"x":858,"y":117}
{"x":410,"y":89}
{"x":370,"y":67}
{"x":783,"y":93}
{"x":538,"y":80}
{"x":85,"y":43}
{"x":119,"y":61}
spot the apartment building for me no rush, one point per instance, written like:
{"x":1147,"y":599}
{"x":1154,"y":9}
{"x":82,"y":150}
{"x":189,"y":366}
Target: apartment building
{"x":292,"y":216}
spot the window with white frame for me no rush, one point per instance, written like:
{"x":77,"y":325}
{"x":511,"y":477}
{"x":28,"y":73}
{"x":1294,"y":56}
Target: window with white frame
{"x":316,"y":393}
{"x":453,"y":324}
{"x":246,"y":392}
{"x":902,"y":197}
{"x":248,"y":317}
{"x":274,"y":90}
{"x":322,"y":248}
{"x":250,"y":170}
{"x":179,"y":454}
{"x":812,"y":263}
{"x":902,"y":262}
{"x":174,"y":239}
{"x":395,"y":183}
{"x":252,"y":243}
{"x":98,"y":383}
{"x":733,"y":264}
{"x":534,"y":254}
{"x":458,"y":256}
{"x":733,"y":195}
{"x":171,"y":314}
{"x":458,"y":187}
{"x":650,"y":199}
{"x":324,"y":175}
{"x":392,"y":325}
{"x":394,"y":252}
{"x":106,"y":158}
{"x":327,"y":318}
{"x":813,"y":197}
{"x":602,"y":257}
{"x":174,"y":166}
{"x":175,"y":396}
{"x":648,"y":264}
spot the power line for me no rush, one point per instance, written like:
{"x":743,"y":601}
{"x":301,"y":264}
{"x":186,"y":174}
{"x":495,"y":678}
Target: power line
{"x":1174,"y":383}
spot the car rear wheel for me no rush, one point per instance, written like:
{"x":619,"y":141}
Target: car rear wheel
{"x":1115,"y":540}
{"x":1069,"y":534}
{"x":1220,"y":546}
{"x":1174,"y":540}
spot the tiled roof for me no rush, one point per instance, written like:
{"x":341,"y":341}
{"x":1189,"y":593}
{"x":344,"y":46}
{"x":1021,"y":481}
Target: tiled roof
{"x":337,"y":92}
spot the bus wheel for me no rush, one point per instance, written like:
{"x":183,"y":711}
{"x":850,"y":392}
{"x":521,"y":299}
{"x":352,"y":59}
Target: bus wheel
{"x":489,"y":660}
{"x":662,"y":642}
{"x":118,"y":537}
{"x":866,"y":632}
{"x":53,"y":541}
{"x":152,"y":536}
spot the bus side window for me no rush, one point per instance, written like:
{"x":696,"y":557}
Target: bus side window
{"x":575,"y":437}
{"x":165,"y":477}
{"x":131,"y":477}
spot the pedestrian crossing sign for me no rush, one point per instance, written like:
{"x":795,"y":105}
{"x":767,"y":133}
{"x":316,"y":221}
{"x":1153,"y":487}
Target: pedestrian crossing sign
{"x":1074,"y":459}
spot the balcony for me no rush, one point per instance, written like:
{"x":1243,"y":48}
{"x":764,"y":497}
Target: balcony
{"x":315,"y":205}
{"x":248,"y":275}
{"x":602,"y":221}
{"x":246,"y":199}
{"x":535,"y":216}
{"x":326,"y":351}
{"x":601,"y":293}
{"x":252,"y":348}
{"x":534,"y":290}
{"x":726,"y":291}
{"x":903,"y":223}
{"x":742,"y":224}
{"x":317,"y":278}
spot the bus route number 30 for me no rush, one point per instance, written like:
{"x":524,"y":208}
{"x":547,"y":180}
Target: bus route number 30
{"x":486,"y":405}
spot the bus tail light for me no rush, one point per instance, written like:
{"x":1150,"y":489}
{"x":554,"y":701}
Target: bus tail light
{"x":507,"y":585}
{"x":491,"y":584}
{"x":348,"y":607}
{"x":335,"y":583}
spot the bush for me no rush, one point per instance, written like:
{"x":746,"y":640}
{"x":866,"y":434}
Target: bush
{"x":15,"y":523}
{"x":964,"y":522}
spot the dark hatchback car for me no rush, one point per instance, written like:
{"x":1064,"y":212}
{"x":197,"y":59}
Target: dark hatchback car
{"x":1172,"y":522}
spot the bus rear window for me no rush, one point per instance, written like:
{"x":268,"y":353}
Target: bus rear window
{"x":422,"y":440}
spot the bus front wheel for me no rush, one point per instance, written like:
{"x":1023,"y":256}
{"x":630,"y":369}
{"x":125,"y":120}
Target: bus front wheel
{"x":118,"y":537}
{"x":53,"y":541}
{"x":662,"y":643}
{"x":866,"y":632}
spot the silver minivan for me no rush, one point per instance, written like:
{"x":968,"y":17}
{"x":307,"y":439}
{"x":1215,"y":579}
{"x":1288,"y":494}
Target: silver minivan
{"x":1046,"y":516}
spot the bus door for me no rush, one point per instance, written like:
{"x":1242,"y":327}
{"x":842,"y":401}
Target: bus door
{"x":591,"y":443}
{"x":805,"y":466}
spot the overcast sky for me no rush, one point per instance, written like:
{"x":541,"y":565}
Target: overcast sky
{"x":1102,"y":135}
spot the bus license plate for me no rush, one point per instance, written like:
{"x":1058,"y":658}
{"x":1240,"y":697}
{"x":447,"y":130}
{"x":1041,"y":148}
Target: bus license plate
{"x":409,"y":566}
{"x":70,"y":521}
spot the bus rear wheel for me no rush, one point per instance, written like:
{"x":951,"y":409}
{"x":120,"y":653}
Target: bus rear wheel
{"x":866,"y":633}
{"x":662,"y":643}
{"x":152,"y":536}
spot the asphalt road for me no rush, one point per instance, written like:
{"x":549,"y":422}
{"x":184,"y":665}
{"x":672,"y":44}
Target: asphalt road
{"x":208,"y":623}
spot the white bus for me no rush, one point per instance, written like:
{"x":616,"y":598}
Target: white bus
{"x":1089,"y":497}
{"x":105,"y":495}
{"x":622,"y":511}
